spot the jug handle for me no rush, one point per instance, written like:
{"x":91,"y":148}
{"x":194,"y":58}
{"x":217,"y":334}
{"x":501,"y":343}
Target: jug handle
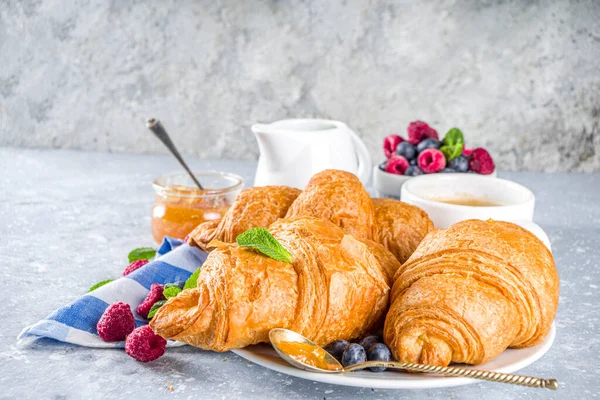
{"x":364,"y":158}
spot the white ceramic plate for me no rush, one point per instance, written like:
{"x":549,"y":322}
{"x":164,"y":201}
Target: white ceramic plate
{"x":510,"y":360}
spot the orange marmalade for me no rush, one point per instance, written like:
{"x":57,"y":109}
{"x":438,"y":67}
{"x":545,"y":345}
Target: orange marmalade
{"x":179,"y":206}
{"x":307,"y":354}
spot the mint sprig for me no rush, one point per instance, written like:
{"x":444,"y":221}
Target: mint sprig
{"x":261,"y":239}
{"x":100,"y":284}
{"x":192,"y":281}
{"x":141,"y":253}
{"x":171,"y":291}
{"x":451,"y":152}
{"x":155,"y":307}
{"x":453,"y":144}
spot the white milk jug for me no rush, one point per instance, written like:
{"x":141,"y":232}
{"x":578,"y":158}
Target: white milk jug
{"x":293,"y":150}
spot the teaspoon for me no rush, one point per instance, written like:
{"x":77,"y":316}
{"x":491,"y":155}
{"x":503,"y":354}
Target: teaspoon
{"x":159,"y":131}
{"x":304,"y":354}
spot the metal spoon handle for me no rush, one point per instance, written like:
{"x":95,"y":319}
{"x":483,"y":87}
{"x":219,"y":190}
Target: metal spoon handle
{"x":522,"y":380}
{"x":159,"y":131}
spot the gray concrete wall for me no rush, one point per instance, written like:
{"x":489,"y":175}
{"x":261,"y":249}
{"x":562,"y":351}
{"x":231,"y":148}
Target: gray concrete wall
{"x":520,"y":77}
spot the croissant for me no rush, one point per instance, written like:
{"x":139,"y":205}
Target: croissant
{"x":335,"y":288}
{"x":400,"y":227}
{"x":334,"y":195}
{"x":469,"y":292}
{"x":254,"y":207}
{"x":339,"y":197}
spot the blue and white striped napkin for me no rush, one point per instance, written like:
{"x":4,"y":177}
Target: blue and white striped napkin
{"x":76,"y":322}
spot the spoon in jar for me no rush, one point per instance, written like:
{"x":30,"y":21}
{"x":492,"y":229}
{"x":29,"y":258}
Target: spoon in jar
{"x":304,"y":354}
{"x":159,"y":131}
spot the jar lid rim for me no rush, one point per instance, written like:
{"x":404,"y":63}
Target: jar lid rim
{"x":161,"y":188}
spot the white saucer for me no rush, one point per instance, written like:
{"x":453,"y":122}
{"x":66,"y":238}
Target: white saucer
{"x":510,"y":360}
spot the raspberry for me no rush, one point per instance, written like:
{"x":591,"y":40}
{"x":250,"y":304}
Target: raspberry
{"x":481,"y":162}
{"x":390,"y":143}
{"x":155,"y":294}
{"x":116,"y":323}
{"x":396,"y":165}
{"x":419,"y":130}
{"x":137,"y":264}
{"x":431,"y":160}
{"x":467,"y":152}
{"x":144,"y":345}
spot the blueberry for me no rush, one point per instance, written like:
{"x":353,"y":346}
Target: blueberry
{"x":382,"y":165}
{"x":413,"y":170}
{"x":336,"y":348}
{"x":460,"y":164}
{"x":354,"y":354}
{"x":413,"y":161}
{"x":428,"y":143}
{"x":448,"y":171}
{"x":369,"y":341}
{"x":378,"y":352}
{"x":407,"y":150}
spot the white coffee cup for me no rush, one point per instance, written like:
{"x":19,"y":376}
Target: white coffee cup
{"x":515,"y":203}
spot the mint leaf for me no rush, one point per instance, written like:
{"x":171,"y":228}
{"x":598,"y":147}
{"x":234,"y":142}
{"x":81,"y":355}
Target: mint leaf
{"x":171,"y":291}
{"x":192,"y":281}
{"x":454,"y":137}
{"x":451,"y":152}
{"x":99,"y":284}
{"x":261,"y":239}
{"x":155,"y":308}
{"x":142,"y":253}
{"x":453,"y":144}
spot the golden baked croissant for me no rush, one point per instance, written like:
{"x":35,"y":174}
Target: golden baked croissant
{"x":470,"y":291}
{"x":400,"y":227}
{"x":339,"y":197}
{"x":335,"y":288}
{"x":254,"y":207}
{"x":334,"y":195}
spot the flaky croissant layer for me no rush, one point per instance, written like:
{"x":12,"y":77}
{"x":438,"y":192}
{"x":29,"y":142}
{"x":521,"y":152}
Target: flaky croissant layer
{"x":400,"y":227}
{"x":469,"y":292}
{"x":337,"y":287}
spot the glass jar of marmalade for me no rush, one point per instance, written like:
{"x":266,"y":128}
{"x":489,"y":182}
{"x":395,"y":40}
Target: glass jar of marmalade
{"x":180,"y":206}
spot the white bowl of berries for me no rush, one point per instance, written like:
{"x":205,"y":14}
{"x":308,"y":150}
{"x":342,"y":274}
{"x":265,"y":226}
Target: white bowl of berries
{"x":423,"y":152}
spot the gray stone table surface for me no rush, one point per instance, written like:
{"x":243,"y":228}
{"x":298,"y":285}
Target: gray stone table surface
{"x":68,"y":219}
